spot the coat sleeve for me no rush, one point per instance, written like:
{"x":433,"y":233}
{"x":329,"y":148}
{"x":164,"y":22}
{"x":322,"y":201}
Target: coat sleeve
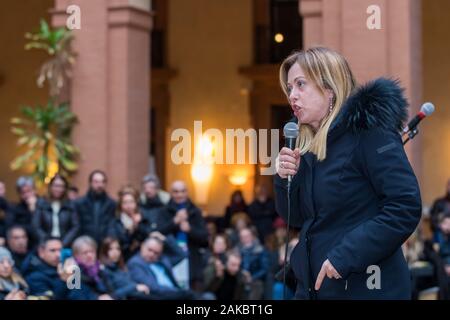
{"x":36,"y":223}
{"x":165,"y":223}
{"x":198,"y":234}
{"x":384,"y":162}
{"x":39,"y":286}
{"x":263,"y":262}
{"x":173,"y":251}
{"x":74,"y":228}
{"x":280,"y":186}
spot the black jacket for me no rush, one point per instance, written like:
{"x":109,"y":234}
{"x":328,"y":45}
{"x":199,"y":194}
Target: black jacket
{"x":197,"y":237}
{"x":69,"y":222}
{"x":124,"y":287}
{"x":141,"y":272}
{"x":262,"y":215}
{"x":95,"y":224}
{"x":19,"y":214}
{"x":4,"y":207}
{"x":440,"y":206}
{"x":44,"y":280}
{"x":360,"y":204}
{"x":130,"y":242}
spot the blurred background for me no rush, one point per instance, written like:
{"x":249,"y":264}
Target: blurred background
{"x":138,"y":69}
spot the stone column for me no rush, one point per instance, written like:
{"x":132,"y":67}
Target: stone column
{"x":110,"y":88}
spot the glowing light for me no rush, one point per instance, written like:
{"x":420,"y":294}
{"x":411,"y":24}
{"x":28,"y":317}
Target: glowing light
{"x":201,"y":173}
{"x":206,"y":148}
{"x":238,"y":179}
{"x":279,"y":38}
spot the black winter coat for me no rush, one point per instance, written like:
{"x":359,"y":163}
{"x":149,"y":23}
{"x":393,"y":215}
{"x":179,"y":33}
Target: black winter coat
{"x":262,"y":215}
{"x":44,"y":280}
{"x":359,"y":205}
{"x":69,"y":222}
{"x":197,"y":237}
{"x":130,"y":242}
{"x":95,"y":224}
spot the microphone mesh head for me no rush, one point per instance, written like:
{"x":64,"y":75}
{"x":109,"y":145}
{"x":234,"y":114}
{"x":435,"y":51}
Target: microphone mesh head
{"x":427,"y":108}
{"x":290,"y":130}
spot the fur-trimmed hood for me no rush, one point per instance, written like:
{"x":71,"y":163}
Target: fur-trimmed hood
{"x":379,"y":103}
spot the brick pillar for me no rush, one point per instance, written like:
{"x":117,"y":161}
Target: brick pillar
{"x":394,"y":51}
{"x":110,"y":88}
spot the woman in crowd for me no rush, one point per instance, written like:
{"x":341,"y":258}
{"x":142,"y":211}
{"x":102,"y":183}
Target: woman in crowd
{"x":56,"y":216}
{"x":130,"y":227}
{"x":237,"y":205}
{"x":94,"y":281}
{"x":115,"y":269}
{"x":217,"y":255}
{"x":12,"y":285}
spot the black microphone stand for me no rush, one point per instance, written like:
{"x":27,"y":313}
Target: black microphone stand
{"x":287,"y":237}
{"x":411,"y":134}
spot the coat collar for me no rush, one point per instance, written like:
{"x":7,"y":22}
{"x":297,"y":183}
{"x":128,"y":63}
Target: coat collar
{"x":379,"y":103}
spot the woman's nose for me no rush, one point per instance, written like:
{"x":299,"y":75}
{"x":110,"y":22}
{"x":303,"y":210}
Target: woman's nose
{"x":293,"y":97}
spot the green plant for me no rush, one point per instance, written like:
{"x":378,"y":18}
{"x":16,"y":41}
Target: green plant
{"x":45,"y":132}
{"x":57,"y":43}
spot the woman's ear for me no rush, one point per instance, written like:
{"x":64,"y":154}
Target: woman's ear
{"x":330,"y":94}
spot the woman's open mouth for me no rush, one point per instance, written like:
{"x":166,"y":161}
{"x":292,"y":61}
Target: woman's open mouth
{"x":296,"y":108}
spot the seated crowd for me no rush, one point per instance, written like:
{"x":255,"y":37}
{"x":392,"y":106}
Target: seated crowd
{"x":147,"y":244}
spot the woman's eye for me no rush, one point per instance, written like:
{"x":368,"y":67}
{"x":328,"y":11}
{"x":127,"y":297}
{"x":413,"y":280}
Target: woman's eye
{"x":300,"y":83}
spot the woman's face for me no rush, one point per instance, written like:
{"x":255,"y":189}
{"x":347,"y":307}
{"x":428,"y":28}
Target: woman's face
{"x":219,"y":245}
{"x":237,"y":198}
{"x":241,"y":224}
{"x":87,"y":255}
{"x":114,"y":252}
{"x":309,"y":104}
{"x":280,"y":233}
{"x":129,"y":205}
{"x":57,"y":189}
{"x":6,"y":268}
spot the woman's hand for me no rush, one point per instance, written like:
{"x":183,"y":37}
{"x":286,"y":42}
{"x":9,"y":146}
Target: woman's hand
{"x":16,"y":294}
{"x":326,"y":270}
{"x":288,"y":162}
{"x":143,"y":288}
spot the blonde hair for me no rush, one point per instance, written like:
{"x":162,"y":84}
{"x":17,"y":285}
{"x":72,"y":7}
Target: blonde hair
{"x":328,"y":70}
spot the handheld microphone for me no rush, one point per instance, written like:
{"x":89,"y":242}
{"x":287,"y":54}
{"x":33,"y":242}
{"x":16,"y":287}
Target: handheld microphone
{"x":426,"y":110}
{"x":290,"y":132}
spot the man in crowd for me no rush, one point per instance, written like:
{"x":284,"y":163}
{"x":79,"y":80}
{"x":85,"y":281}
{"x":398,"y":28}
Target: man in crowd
{"x":182,"y":219}
{"x":44,"y":273}
{"x":96,"y":209}
{"x":262,"y":212}
{"x":154,"y":269}
{"x":254,"y":260}
{"x":440,"y":206}
{"x":229,"y":281}
{"x":22,"y":212}
{"x":152,"y":196}
{"x":3,"y":210}
{"x":17,"y":241}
